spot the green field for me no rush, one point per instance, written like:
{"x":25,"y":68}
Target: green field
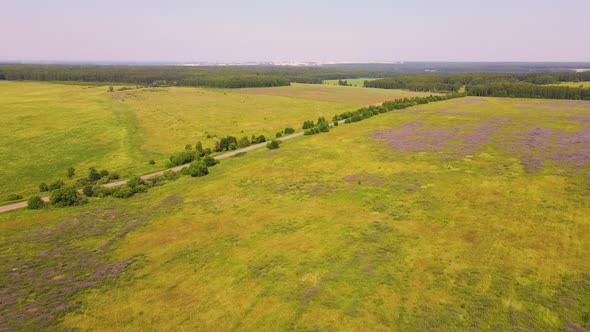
{"x":468,"y":214}
{"x":50,"y":127}
{"x":353,"y":81}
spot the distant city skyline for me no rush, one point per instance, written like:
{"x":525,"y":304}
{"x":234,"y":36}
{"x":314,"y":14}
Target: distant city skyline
{"x":182,"y":31}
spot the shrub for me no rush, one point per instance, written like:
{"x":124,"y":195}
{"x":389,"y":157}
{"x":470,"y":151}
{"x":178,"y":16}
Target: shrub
{"x":170,"y":175}
{"x":99,"y":191}
{"x":152,"y":162}
{"x":13,"y":197}
{"x":43,"y":187}
{"x":124,"y":191}
{"x":88,"y":191}
{"x":210,"y":161}
{"x":244,"y":141}
{"x":232,"y":146}
{"x":93,"y":174}
{"x":140,"y":188}
{"x":323,"y":127}
{"x":279,"y":134}
{"x":198,"y":168}
{"x":35,"y":203}
{"x":66,"y":196}
{"x":274,"y":144}
{"x":188,"y":147}
{"x":134,"y":182}
{"x":114,"y":176}
{"x":71,"y":172}
{"x":307,"y":124}
{"x":81,"y":182}
{"x":182,"y":158}
{"x":104,"y":173}
{"x":335,"y":124}
{"x":289,"y":130}
{"x":199,"y":148}
{"x":56,"y":185}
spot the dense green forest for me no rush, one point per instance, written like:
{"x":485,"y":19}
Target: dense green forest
{"x":212,"y":76}
{"x":527,"y":90}
{"x":453,"y":82}
{"x":524,"y":85}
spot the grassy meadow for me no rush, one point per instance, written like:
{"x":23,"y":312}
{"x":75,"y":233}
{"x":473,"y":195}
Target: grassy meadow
{"x":352,"y":81}
{"x":49,"y":127}
{"x":468,"y":214}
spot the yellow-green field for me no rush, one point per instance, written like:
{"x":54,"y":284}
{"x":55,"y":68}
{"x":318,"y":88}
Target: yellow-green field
{"x":50,"y":127}
{"x":468,"y":214}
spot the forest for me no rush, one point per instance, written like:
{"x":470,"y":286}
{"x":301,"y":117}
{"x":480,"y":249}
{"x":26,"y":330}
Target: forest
{"x":210,"y":76}
{"x":525,"y":85}
{"x":527,"y":90}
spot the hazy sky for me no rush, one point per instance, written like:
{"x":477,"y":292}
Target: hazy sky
{"x":305,"y":30}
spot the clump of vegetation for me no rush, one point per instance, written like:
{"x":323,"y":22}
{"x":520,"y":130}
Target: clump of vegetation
{"x":289,"y":130}
{"x":35,"y":203}
{"x":274,"y":144}
{"x":198,"y":168}
{"x":13,"y":197}
{"x":66,"y":196}
{"x":152,"y":162}
{"x":43,"y":187}
{"x":71,"y":172}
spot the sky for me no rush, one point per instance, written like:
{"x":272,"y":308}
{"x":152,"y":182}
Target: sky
{"x":294,"y":30}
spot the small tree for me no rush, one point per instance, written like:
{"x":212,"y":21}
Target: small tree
{"x":199,"y":148}
{"x":43,"y":187}
{"x":279,"y":134}
{"x":93,"y":174}
{"x":289,"y":130}
{"x":123,"y":191}
{"x":210,"y":161}
{"x":56,"y":185}
{"x":66,"y":196}
{"x":35,"y":203}
{"x":244,"y":141}
{"x":274,"y":144}
{"x":88,"y":190}
{"x":198,"y":168}
{"x":71,"y":172}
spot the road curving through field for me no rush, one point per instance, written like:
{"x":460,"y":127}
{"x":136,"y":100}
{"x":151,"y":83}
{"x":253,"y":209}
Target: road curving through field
{"x":229,"y":154}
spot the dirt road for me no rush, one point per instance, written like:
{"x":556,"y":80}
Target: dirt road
{"x":19,"y":205}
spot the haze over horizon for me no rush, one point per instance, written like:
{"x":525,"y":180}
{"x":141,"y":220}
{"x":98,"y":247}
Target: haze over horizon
{"x":261,"y":31}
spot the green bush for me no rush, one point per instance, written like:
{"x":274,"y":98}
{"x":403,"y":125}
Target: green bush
{"x":56,"y":185}
{"x":198,"y":168}
{"x":71,"y":172}
{"x":289,"y":130}
{"x":93,"y":174}
{"x":279,"y":134}
{"x":43,"y":187}
{"x":124,"y":191}
{"x":35,"y":203}
{"x":152,"y":162}
{"x":274,"y":144}
{"x":13,"y":197}
{"x":335,"y":124}
{"x":88,"y":191}
{"x":210,"y":161}
{"x":66,"y":196}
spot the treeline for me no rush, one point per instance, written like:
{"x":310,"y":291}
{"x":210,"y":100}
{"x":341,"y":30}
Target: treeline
{"x":210,"y":76}
{"x":322,"y":125}
{"x":454,"y":82}
{"x":527,"y":90}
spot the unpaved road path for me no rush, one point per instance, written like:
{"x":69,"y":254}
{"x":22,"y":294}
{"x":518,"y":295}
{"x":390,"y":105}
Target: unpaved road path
{"x":19,"y":205}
